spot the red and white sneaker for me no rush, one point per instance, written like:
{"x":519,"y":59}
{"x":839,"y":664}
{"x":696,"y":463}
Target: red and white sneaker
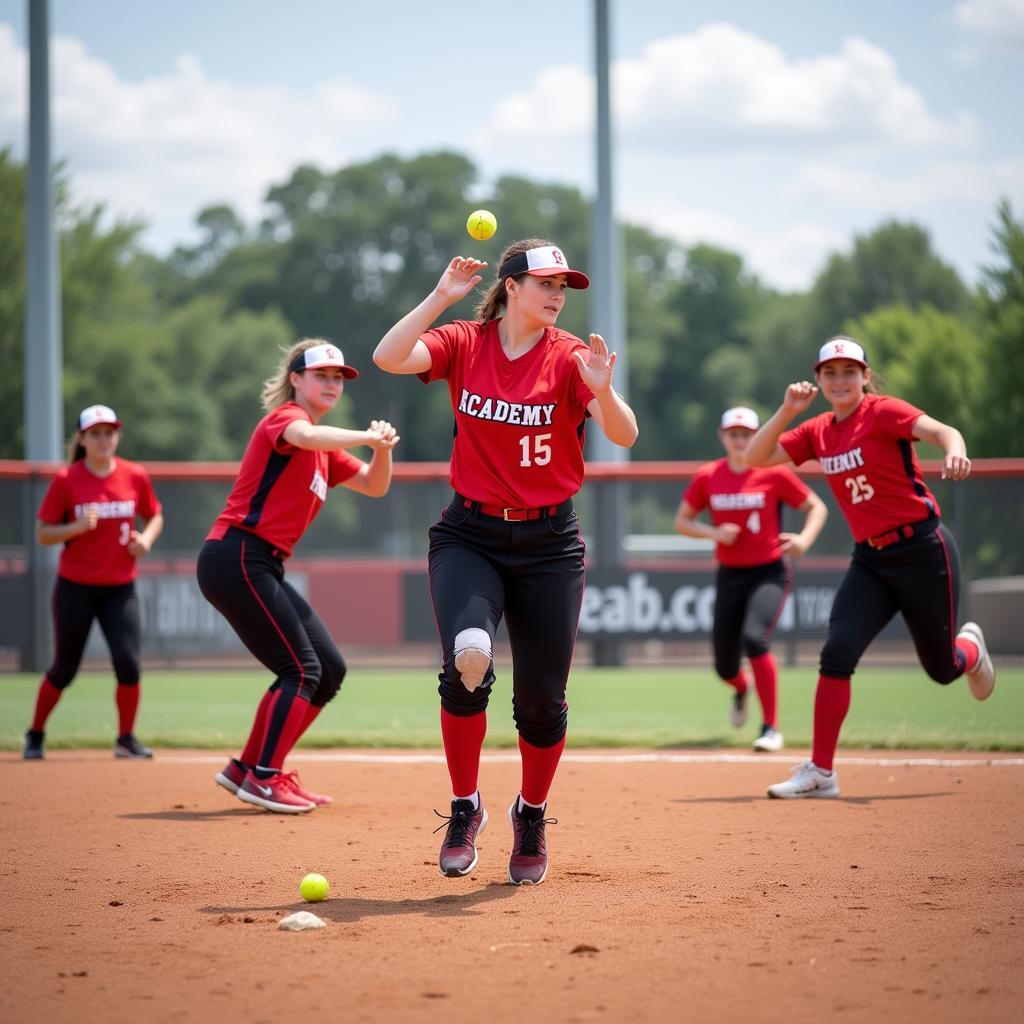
{"x":320,"y":799}
{"x":982,"y":678}
{"x":274,"y":794}
{"x":231,"y":777}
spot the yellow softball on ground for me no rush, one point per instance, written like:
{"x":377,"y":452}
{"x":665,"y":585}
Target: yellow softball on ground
{"x":314,"y":888}
{"x":481,"y":225}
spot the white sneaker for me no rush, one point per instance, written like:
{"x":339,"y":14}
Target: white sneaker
{"x":982,"y":678}
{"x":738,"y":710}
{"x":808,"y":781}
{"x":472,"y":664}
{"x":770,"y":740}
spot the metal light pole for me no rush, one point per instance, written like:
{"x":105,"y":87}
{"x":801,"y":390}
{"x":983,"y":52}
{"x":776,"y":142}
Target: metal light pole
{"x":608,"y":317}
{"x":43,"y":363}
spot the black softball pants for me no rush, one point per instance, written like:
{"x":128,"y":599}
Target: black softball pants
{"x":748,"y":602}
{"x":920,"y":578}
{"x":531,"y":573}
{"x":75,"y":606}
{"x":241,"y":577}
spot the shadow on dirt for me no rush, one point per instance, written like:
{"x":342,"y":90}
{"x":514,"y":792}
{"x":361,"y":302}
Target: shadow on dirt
{"x":858,"y":801}
{"x":347,"y":910}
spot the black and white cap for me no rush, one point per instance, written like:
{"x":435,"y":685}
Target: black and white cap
{"x":323,"y":355}
{"x":545,"y":261}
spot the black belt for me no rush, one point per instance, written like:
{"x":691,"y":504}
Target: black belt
{"x":902,"y":533}
{"x":514,"y":515}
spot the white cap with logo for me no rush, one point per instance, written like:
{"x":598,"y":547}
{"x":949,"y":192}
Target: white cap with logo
{"x":841,"y":348}
{"x":740,"y":416}
{"x":318,"y":356}
{"x":97,"y":414}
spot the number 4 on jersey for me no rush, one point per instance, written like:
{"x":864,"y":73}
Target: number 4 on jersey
{"x":537,"y":453}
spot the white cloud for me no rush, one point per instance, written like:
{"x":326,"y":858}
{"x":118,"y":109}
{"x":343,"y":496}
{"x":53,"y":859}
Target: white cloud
{"x":1000,"y":22}
{"x":720,"y":89}
{"x":164,"y":145}
{"x":788,"y":258}
{"x":963,"y":182}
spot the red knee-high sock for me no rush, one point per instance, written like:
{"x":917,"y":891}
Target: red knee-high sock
{"x":311,"y":713}
{"x":969,"y":649}
{"x":285,"y":716}
{"x":463,"y":737}
{"x":766,"y":679}
{"x":539,"y":766}
{"x":127,"y":705}
{"x":46,"y":701}
{"x":739,"y":682}
{"x":253,"y":745}
{"x":831,"y":702}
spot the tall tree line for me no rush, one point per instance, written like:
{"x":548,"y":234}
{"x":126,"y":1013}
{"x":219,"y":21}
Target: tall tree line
{"x":180,"y":345}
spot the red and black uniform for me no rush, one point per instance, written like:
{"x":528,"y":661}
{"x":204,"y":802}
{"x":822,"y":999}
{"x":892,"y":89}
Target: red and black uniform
{"x":279,"y":491}
{"x":904,"y":559}
{"x":753,"y":578}
{"x":508,"y":545}
{"x":96,"y":577}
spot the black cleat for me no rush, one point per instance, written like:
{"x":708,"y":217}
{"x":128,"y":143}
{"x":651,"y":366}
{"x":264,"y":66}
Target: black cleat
{"x":33,"y":749}
{"x":129,"y":746}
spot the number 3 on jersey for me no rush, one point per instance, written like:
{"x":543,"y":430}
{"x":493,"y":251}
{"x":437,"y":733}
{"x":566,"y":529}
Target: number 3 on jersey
{"x":536,"y":450}
{"x":860,"y":489}
{"x":125,"y":534}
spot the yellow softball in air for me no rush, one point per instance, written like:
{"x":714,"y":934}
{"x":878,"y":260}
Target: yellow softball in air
{"x":481,"y":225}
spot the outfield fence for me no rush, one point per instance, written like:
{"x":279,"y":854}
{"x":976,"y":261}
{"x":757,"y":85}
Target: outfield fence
{"x":650,"y":593}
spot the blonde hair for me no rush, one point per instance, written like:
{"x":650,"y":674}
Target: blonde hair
{"x":493,"y":302}
{"x":277,"y":389}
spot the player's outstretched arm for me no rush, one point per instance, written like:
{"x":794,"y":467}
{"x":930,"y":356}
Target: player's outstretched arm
{"x":314,"y":437}
{"x":764,"y":448}
{"x":374,"y":477}
{"x":609,"y":410}
{"x":400,"y":350}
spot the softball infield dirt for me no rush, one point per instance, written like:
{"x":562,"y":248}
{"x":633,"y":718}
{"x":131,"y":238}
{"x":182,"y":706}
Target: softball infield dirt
{"x":143,"y":892}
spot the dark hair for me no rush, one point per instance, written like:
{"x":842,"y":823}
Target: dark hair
{"x":76,"y":450}
{"x":493,"y":302}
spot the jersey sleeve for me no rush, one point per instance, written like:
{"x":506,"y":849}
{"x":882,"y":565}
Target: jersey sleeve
{"x":56,"y":502}
{"x":797,"y":443}
{"x":696,"y":495}
{"x":342,"y":466}
{"x":147,"y":505}
{"x":444,"y":343}
{"x":790,"y":488}
{"x":898,"y":417}
{"x":275,"y":422}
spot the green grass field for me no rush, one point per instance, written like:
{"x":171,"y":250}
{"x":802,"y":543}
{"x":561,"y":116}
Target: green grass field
{"x":637,"y":707}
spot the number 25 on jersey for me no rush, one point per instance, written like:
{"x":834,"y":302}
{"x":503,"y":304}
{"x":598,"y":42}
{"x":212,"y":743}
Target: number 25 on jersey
{"x":860,"y":489}
{"x":536,"y":451}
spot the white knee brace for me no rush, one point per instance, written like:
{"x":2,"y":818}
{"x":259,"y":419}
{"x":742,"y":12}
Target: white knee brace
{"x":472,"y":656}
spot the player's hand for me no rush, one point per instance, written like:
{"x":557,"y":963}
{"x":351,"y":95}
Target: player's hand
{"x":459,"y":279}
{"x":799,"y":396}
{"x":597,"y":366}
{"x":88,"y":520}
{"x":382,"y":435}
{"x":137,"y":544}
{"x":792,"y":544}
{"x":727,"y":533}
{"x":956,"y":467}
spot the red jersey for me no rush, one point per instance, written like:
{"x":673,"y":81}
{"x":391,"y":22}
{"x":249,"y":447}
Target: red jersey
{"x":281,"y":488}
{"x":869,"y":462}
{"x":752,"y":500}
{"x":100,"y":557}
{"x":519,"y":423}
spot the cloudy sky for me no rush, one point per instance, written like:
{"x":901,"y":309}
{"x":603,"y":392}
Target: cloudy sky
{"x":777,"y":130}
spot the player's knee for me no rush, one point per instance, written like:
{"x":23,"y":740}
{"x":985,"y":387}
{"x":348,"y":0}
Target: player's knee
{"x":127,"y":670}
{"x":727,"y":668}
{"x":540,"y":721}
{"x":332,"y":674}
{"x":754,"y":646}
{"x":457,"y":700}
{"x":303,"y":679}
{"x":60,"y":677}
{"x":944,"y":675}
{"x":837,"y":661}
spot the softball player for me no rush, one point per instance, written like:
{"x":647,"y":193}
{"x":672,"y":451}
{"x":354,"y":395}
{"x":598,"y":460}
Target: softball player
{"x":288,"y":466}
{"x":93,"y":507}
{"x":904,"y":559}
{"x":754,"y":575}
{"x":508,"y":545}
